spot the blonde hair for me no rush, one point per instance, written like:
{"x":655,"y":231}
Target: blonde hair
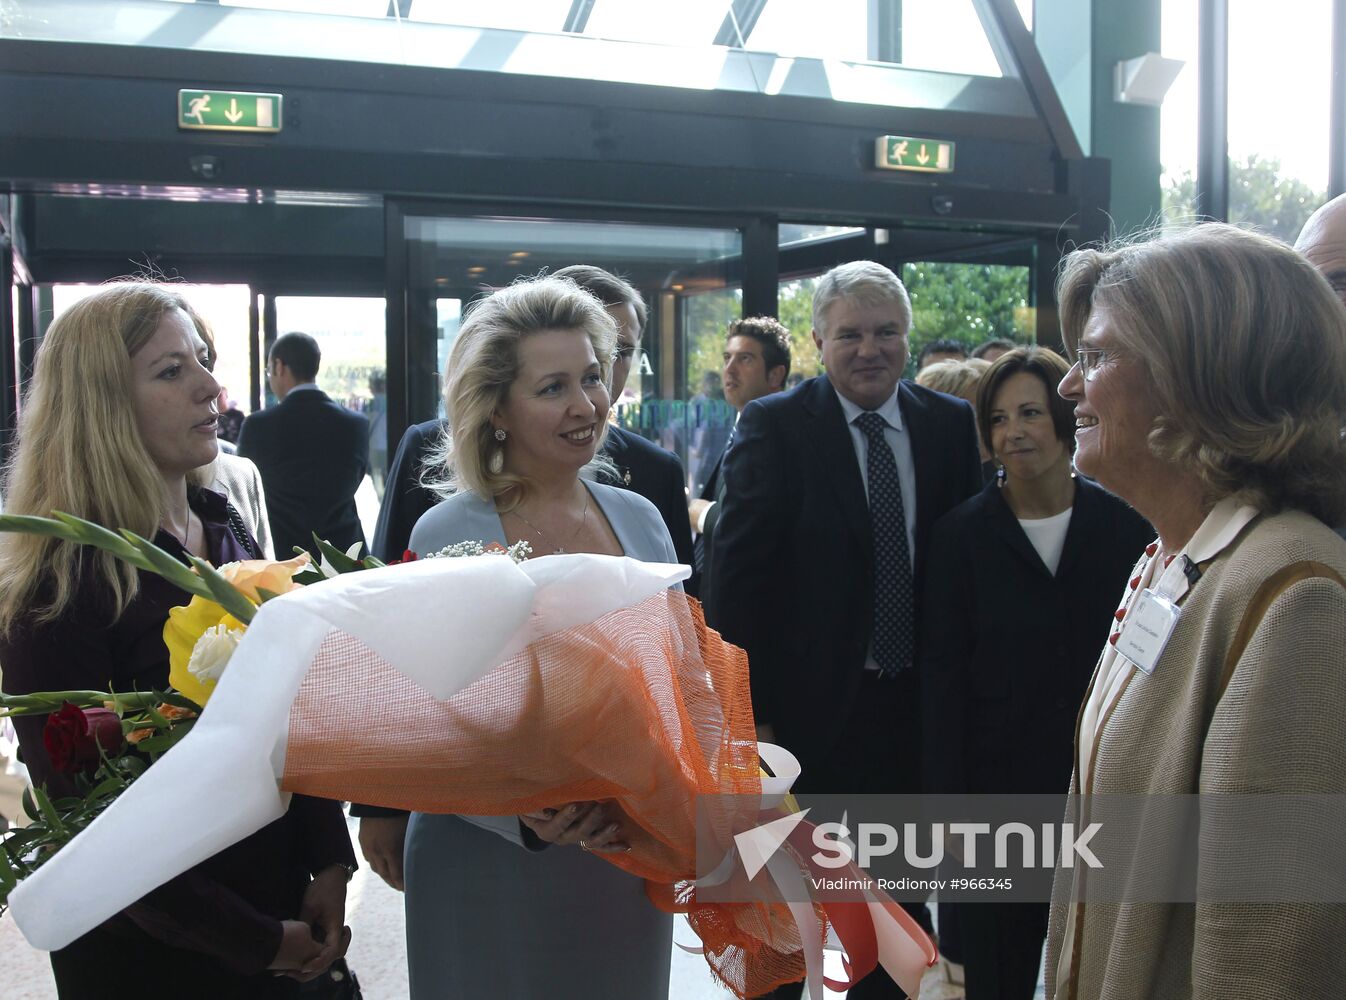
{"x":956,"y":378}
{"x":483,"y":364}
{"x":1245,"y":347}
{"x":79,"y":450}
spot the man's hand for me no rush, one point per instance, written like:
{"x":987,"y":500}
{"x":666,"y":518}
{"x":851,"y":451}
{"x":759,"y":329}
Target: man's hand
{"x":382,"y":839}
{"x":297,"y":947}
{"x":696,"y":513}
{"x":324,"y":910}
{"x":588,"y":825}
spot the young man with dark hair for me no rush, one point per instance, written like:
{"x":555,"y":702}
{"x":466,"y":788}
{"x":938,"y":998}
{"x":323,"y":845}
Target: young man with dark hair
{"x":756,"y":363}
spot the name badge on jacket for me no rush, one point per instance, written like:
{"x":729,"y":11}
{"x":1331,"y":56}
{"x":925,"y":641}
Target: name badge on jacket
{"x":1147,"y":629}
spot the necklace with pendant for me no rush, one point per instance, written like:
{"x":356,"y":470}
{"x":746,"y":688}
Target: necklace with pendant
{"x":541,"y":537}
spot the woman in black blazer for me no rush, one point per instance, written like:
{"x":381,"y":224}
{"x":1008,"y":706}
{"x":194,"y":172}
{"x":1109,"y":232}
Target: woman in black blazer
{"x":1021,"y":583}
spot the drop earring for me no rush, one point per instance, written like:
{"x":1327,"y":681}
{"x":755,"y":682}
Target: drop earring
{"x":497,"y":460}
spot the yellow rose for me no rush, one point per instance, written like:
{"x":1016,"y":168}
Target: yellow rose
{"x":204,"y":620}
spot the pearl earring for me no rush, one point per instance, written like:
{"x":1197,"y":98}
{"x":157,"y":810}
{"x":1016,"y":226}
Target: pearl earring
{"x":497,"y":461}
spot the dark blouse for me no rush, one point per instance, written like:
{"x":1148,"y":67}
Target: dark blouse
{"x":227,"y":911}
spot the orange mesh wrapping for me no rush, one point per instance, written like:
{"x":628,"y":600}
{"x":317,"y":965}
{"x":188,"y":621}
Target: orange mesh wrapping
{"x":645,"y":706}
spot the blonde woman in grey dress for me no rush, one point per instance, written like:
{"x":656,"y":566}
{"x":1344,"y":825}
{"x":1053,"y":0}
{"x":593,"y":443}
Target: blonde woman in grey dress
{"x":519,"y":906}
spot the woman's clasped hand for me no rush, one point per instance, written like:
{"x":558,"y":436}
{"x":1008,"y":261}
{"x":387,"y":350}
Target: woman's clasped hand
{"x":588,"y":825}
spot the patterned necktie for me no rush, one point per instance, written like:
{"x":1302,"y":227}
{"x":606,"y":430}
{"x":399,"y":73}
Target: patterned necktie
{"x":893,"y":590}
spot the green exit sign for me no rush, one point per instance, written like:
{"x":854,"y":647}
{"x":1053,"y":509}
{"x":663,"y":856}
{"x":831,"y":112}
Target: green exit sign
{"x":228,"y":111}
{"x":902,"y":152}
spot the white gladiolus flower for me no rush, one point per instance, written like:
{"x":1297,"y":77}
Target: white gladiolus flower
{"x":212,"y":651}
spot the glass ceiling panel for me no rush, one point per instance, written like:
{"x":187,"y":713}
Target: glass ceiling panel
{"x":836,"y":30}
{"x":347,"y":8}
{"x":820,"y":55}
{"x":667,"y":22}
{"x":517,"y":15}
{"x":799,"y":234}
{"x":947,"y":36}
{"x":941,"y":35}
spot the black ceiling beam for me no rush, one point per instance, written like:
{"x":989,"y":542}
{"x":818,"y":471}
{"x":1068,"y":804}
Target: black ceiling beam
{"x":1336,"y":172}
{"x":1212,"y":119}
{"x":885,"y":31}
{"x":578,"y":17}
{"x":739,"y":22}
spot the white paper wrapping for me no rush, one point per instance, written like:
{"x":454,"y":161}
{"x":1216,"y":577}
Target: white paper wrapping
{"x":443,"y":622}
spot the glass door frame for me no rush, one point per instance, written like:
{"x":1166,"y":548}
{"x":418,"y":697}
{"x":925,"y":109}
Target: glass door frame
{"x":411,"y":400}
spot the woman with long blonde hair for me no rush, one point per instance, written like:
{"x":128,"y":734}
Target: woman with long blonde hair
{"x":118,"y":427}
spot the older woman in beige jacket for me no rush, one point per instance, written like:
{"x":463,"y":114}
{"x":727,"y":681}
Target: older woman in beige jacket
{"x":1210,"y":393}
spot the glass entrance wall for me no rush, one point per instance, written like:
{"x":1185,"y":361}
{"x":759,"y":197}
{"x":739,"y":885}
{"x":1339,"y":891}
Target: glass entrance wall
{"x":689,"y":277}
{"x":223,"y":307}
{"x":350,"y":332}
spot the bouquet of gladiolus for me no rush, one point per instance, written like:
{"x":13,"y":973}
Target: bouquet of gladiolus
{"x":478,"y":686}
{"x":106,"y":739}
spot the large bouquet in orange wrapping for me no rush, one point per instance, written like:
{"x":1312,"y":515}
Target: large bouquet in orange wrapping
{"x":473,"y":686}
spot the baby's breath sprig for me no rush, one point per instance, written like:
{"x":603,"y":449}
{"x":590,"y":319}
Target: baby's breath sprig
{"x":519,"y":551}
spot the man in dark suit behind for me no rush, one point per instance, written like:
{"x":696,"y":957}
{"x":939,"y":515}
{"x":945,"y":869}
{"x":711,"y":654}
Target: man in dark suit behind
{"x":756,"y":363}
{"x":312,"y":453}
{"x":831,"y":489}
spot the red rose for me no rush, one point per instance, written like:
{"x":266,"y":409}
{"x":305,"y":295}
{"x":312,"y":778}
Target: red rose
{"x":407,"y":556}
{"x":73,"y":735}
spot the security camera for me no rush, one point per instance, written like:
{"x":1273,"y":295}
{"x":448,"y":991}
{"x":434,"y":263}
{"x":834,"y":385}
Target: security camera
{"x":205,"y":167}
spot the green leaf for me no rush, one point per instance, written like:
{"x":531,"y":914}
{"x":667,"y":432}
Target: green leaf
{"x":46,"y":702}
{"x":30,"y":807}
{"x":309,"y":577}
{"x":49,"y":813}
{"x":27,"y":524}
{"x":337,"y":559}
{"x":110,"y":784}
{"x":265,"y":595}
{"x":159,"y":561}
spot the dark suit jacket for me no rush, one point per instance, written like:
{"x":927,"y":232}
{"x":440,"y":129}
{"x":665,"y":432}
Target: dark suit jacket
{"x":404,"y":498}
{"x":794,"y":547}
{"x":1009,"y":648}
{"x":313,"y":456}
{"x":704,"y":543}
{"x":658,"y":476}
{"x":642,"y":467}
